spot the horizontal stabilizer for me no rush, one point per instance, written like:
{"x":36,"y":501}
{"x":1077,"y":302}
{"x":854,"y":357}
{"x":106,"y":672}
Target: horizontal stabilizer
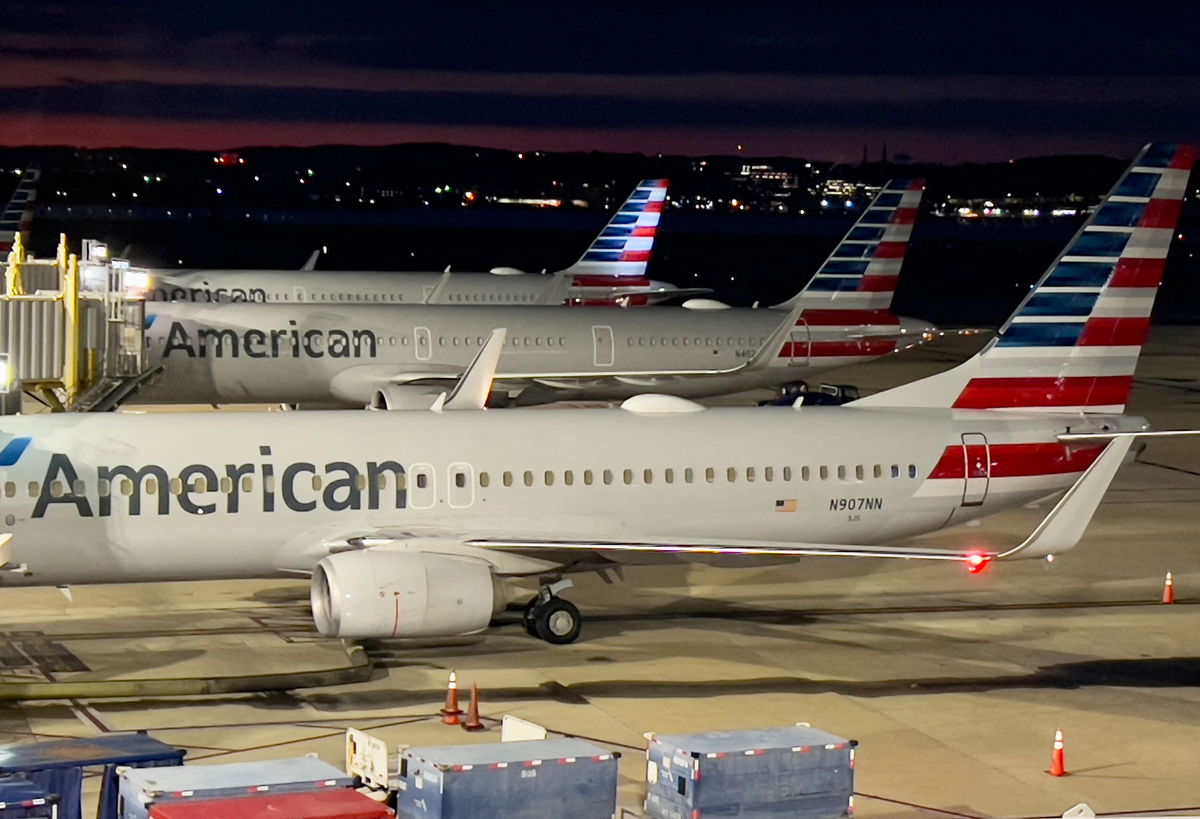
{"x":1067,"y":437}
{"x":1064,"y":526}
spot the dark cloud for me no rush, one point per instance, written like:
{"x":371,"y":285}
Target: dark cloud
{"x":1108,"y":73}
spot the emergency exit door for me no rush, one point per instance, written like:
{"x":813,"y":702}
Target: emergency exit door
{"x":977,"y":471}
{"x":422,"y":343}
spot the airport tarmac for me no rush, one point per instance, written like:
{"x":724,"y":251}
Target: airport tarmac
{"x":952,"y":683}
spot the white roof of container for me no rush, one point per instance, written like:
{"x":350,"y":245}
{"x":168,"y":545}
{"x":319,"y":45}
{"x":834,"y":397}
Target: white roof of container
{"x":726,"y":741}
{"x":494,"y":752}
{"x":234,"y":775}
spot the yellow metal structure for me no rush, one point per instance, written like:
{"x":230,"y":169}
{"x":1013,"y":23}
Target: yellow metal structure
{"x":63,"y":340}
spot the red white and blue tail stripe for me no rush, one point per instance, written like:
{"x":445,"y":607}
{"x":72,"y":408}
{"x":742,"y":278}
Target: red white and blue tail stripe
{"x":843,"y":314}
{"x":18,"y":216}
{"x":860,"y":274}
{"x":1073,"y":343}
{"x":623,"y":248}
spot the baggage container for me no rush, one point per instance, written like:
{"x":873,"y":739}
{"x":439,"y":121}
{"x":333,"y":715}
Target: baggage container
{"x":797,"y":772}
{"x":537,"y":779}
{"x":141,"y":788}
{"x":57,"y":766}
{"x":21,"y":799}
{"x":331,"y":803}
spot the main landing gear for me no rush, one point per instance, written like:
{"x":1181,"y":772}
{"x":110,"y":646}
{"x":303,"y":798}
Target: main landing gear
{"x":551,"y":618}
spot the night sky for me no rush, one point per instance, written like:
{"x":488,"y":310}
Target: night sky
{"x":937,"y":81}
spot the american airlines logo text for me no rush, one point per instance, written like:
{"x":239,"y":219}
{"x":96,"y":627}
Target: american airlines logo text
{"x":290,"y":343}
{"x":200,"y":489}
{"x":204,"y":294}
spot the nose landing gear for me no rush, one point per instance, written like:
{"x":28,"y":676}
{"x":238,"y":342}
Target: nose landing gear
{"x":551,"y":618}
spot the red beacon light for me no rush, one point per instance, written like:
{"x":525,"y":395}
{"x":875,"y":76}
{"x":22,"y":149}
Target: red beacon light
{"x":976,"y":563}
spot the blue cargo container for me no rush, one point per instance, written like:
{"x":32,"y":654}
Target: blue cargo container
{"x":57,"y":766}
{"x":538,"y":779}
{"x":795,"y":772}
{"x":21,"y":799}
{"x":141,"y":788}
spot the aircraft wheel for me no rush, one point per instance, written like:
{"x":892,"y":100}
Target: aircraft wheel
{"x":557,"y":621}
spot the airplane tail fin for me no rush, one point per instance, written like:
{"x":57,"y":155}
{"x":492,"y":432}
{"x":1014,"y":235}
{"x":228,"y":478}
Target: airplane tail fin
{"x":844,"y":311}
{"x":623,"y":248}
{"x":18,"y":216}
{"x":1073,"y":343}
{"x":860,"y":274}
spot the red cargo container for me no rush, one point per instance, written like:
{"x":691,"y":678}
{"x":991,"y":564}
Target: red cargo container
{"x":339,"y":803}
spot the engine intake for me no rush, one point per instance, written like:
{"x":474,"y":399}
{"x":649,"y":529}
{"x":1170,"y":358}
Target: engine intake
{"x":374,"y":594}
{"x":404,"y":397}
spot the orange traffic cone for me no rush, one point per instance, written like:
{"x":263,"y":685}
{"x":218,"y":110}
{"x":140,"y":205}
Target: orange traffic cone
{"x":473,"y":722}
{"x":451,"y":711}
{"x":1057,"y":764}
{"x":1169,"y":589}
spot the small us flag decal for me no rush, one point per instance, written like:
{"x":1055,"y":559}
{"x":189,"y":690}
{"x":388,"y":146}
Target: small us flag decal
{"x":785,"y":505}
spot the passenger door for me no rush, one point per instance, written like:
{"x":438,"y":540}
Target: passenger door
{"x":602,"y":346}
{"x":977,"y":468}
{"x":798,"y":345}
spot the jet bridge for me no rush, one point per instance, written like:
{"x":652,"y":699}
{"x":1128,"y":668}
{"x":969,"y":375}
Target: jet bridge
{"x":71,"y":330}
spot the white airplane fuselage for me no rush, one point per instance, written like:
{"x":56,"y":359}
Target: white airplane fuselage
{"x":239,"y":495}
{"x":388,"y":287}
{"x":339,"y":356}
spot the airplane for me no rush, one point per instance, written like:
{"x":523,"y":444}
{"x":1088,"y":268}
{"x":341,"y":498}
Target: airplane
{"x":18,"y":215}
{"x":404,"y":356}
{"x":612,"y":270}
{"x":410,"y":523}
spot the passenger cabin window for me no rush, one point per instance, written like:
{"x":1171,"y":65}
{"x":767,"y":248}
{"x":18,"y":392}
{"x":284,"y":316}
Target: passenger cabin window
{"x":710,"y":474}
{"x":627,"y":476}
{"x":587,"y":477}
{"x":484,"y":480}
{"x":689,"y":475}
{"x":528,"y":478}
{"x":731,"y":474}
{"x":548,"y":476}
{"x":608,"y":477}
{"x":895,"y":470}
{"x":648,"y":476}
{"x":824,"y":473}
{"x":787,"y":473}
{"x":749,"y":473}
{"x":569,"y":478}
{"x":506,"y":479}
{"x":912,"y":470}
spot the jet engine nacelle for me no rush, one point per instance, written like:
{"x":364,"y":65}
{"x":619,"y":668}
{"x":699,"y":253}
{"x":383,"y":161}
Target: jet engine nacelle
{"x":404,"y":397}
{"x":375,"y":593}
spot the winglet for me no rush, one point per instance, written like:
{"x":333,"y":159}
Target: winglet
{"x":311,"y":264}
{"x":1064,"y":526}
{"x":471,"y":391}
